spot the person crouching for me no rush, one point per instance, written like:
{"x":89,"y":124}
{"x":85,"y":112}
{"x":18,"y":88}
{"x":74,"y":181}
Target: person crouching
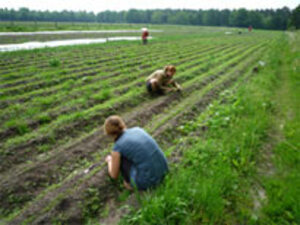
{"x":161,"y":81}
{"x":135,"y":154}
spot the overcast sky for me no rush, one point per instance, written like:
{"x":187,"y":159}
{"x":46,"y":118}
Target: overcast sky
{"x":101,"y":5}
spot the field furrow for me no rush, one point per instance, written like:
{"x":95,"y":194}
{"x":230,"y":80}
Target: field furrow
{"x":54,"y":101}
{"x":64,"y":123}
{"x":80,"y":99}
{"x":158,"y":107}
{"x":68,"y":199}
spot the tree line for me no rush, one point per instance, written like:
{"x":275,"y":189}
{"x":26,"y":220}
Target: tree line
{"x":279,"y":19}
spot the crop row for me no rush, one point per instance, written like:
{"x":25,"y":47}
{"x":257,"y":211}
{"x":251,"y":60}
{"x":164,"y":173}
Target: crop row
{"x":93,"y":87}
{"x":194,"y":71}
{"x":89,"y":55}
{"x":84,"y":97}
{"x":210,"y":86}
{"x":40,"y":58}
{"x":67,"y":196}
{"x":61,"y":75}
{"x":68,"y":68}
{"x":89,"y":59}
{"x":43,"y":134}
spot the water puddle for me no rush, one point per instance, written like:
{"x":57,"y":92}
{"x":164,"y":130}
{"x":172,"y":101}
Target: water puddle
{"x":73,"y":32}
{"x":51,"y":44}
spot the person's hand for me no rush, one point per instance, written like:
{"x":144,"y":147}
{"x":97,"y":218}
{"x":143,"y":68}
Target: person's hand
{"x":179,"y":88}
{"x":167,"y":90}
{"x":108,"y":158}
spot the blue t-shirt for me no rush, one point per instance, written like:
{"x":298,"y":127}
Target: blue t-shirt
{"x":149,"y":164}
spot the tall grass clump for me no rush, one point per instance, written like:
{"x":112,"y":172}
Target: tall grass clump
{"x":54,"y":62}
{"x":283,"y":187}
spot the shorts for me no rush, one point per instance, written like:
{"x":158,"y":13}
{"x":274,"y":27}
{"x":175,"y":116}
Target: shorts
{"x":149,"y":86}
{"x":125,"y":168}
{"x":129,"y":173}
{"x":150,"y":90}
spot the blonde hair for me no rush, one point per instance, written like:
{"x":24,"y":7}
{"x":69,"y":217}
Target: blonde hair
{"x":114,"y":125}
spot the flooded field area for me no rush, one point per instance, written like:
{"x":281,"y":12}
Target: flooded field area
{"x":57,"y":43}
{"x":71,"y":32}
{"x":45,"y":36}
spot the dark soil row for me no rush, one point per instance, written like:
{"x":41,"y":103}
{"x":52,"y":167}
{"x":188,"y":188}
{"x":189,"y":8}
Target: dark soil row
{"x":70,"y":206}
{"x":20,"y":153}
{"x":13,"y":131}
{"x":71,"y":55}
{"x":82,"y":61}
{"x":83,"y":72}
{"x":75,"y":59}
{"x":84,"y":149}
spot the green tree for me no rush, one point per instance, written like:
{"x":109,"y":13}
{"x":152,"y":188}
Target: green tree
{"x":239,"y":18}
{"x":158,"y":16}
{"x":295,"y":17}
{"x":224,"y":17}
{"x":266,"y":19}
{"x":211,"y":18}
{"x":181,"y":17}
{"x":134,"y":16}
{"x":255,"y":19}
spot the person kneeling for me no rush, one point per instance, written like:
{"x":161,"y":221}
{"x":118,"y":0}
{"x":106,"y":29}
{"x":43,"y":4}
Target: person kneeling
{"x":135,"y":154}
{"x":161,"y":82}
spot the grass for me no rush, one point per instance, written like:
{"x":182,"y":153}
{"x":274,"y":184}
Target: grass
{"x":282,"y":188}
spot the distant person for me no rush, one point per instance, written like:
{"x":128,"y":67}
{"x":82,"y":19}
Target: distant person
{"x":250,"y":28}
{"x":145,"y":34}
{"x":161,"y":82}
{"x":135,"y":154}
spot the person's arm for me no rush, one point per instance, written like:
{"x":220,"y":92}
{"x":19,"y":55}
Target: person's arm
{"x":178,"y":87}
{"x":113,"y":161}
{"x":175,"y":84}
{"x":165,"y":89}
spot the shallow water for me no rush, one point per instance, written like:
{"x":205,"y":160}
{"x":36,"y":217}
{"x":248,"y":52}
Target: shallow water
{"x":34,"y":45}
{"x":72,"y":32}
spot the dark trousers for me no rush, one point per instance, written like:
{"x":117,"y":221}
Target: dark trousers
{"x":150,"y":90}
{"x":125,"y":168}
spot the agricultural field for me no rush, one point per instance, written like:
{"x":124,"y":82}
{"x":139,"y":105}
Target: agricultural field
{"x":222,"y":135}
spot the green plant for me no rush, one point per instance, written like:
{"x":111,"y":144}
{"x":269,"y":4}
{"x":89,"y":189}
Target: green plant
{"x":54,"y":62}
{"x":92,"y":203}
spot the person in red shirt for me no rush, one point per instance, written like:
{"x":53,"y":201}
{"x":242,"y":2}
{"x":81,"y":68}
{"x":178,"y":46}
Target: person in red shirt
{"x":145,"y":35}
{"x":250,"y":28}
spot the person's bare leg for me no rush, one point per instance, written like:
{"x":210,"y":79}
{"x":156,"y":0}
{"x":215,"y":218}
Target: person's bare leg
{"x":127,"y":186}
{"x":154,"y":85}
